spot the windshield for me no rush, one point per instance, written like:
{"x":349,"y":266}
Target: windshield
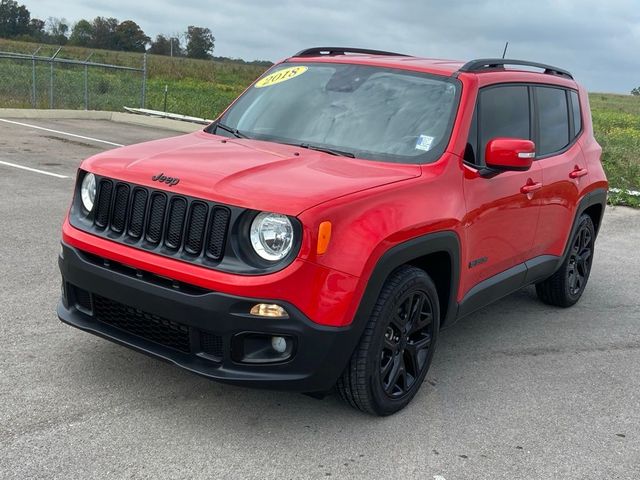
{"x":368,"y":112}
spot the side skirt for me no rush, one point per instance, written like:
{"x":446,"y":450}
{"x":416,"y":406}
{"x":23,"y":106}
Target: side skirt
{"x":509,"y":281}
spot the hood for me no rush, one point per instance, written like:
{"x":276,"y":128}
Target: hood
{"x":247,"y":173}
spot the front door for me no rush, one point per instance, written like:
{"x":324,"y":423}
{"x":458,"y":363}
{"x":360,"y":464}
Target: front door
{"x":502,"y":211}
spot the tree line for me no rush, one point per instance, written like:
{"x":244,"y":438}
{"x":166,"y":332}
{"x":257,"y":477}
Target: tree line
{"x":105,"y":33}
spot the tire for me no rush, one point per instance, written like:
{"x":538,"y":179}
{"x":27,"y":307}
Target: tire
{"x":565,"y":287}
{"x":396,"y":349}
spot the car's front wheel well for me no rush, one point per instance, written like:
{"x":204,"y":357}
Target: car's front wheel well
{"x":438,"y":266}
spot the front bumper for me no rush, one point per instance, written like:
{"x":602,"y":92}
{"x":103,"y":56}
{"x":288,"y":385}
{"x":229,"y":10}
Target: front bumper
{"x":319,"y":355}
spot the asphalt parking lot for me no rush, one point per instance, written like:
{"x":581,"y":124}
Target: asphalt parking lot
{"x":518,"y":390}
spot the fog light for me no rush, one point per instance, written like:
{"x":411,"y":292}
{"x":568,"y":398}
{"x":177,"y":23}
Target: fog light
{"x":269,"y":310}
{"x":254,"y":347}
{"x":279,"y":344}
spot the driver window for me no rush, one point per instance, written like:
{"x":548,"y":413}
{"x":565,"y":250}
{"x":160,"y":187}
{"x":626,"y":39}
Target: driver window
{"x":503,"y":112}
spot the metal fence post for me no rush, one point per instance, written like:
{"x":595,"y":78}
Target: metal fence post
{"x":86,"y":82}
{"x":51,"y":85}
{"x":33,"y":82}
{"x":86,"y":87}
{"x":51,"y":77}
{"x":33,"y":77}
{"x":144,"y":81}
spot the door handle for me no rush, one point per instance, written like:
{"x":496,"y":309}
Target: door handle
{"x":531,"y":187}
{"x":578,"y":172}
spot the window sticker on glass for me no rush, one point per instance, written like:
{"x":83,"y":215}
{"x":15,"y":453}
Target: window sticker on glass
{"x":281,"y":76}
{"x":424,"y":142}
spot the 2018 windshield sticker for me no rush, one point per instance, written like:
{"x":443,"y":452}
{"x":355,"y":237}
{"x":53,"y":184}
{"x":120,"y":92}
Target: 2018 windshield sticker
{"x":424,"y":143}
{"x":281,"y":76}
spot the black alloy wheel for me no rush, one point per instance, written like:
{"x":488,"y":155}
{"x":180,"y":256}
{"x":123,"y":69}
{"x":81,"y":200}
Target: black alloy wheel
{"x":396,"y":349}
{"x":407,"y":339}
{"x":580,"y":260}
{"x":565,"y":287}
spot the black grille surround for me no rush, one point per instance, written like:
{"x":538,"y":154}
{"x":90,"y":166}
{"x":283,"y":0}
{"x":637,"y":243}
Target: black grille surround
{"x":160,"y":222}
{"x":177,"y":226}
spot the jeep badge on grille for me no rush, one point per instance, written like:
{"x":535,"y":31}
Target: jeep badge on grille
{"x":161,"y":177}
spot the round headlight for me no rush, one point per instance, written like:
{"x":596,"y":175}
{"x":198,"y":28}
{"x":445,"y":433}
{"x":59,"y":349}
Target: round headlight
{"x":88,"y":191}
{"x":271,"y":236}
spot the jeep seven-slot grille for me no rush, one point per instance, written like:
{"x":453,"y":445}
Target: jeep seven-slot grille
{"x":150,"y":219}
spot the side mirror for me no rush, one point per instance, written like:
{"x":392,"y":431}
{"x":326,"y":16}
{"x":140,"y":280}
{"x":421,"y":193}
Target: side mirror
{"x":509,"y":154}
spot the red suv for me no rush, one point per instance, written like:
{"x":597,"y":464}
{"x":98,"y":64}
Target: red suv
{"x":343,"y":210}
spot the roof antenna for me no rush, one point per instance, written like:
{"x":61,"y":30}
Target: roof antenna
{"x":504,"y":52}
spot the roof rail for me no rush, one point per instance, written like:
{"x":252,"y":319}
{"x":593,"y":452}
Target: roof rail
{"x":490,"y":63}
{"x":315,"y":51}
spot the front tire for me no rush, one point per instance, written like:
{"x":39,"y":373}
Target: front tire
{"x":396,"y":348}
{"x":565,"y":287}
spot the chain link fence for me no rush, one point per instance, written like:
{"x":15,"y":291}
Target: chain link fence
{"x":33,"y":81}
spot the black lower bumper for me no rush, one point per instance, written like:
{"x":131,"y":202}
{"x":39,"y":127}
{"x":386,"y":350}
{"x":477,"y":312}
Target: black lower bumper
{"x":199,"y":330}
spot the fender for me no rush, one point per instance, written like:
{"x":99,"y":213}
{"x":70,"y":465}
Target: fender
{"x":444,"y":241}
{"x":595,"y":197}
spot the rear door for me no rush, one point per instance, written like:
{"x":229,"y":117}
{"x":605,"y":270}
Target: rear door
{"x":558,"y":124}
{"x":501,"y":220}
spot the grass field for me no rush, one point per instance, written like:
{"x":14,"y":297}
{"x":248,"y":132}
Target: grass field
{"x":616,"y":123}
{"x":204,"y":88}
{"x":200,"y":88}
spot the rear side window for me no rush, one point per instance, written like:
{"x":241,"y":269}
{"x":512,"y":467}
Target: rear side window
{"x":553,"y":120}
{"x":503,"y":112}
{"x":577,"y":118}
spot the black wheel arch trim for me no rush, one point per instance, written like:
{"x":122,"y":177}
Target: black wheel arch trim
{"x":438,"y":242}
{"x":595,"y":197}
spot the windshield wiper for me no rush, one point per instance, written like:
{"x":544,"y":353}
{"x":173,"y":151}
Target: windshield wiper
{"x":233,"y":131}
{"x":331,"y":151}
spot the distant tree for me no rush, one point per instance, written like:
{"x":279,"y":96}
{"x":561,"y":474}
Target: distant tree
{"x":163,"y":45}
{"x":8,"y":13}
{"x":130,"y":37}
{"x":166,"y":46}
{"x":104,"y":33}
{"x":14,"y":19}
{"x":81,"y":34}
{"x":57,"y":29}
{"x":636,"y":91}
{"x":200,"y":42}
{"x":175,"y":42}
{"x":37,"y":30}
{"x":160,"y":46}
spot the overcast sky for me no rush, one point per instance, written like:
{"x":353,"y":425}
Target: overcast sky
{"x":598,"y":41}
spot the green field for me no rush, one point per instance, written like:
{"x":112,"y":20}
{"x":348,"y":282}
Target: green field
{"x":201,"y":88}
{"x":204,"y":88}
{"x":616,"y":123}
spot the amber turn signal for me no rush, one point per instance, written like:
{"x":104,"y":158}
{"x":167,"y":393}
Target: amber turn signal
{"x":324,"y":236}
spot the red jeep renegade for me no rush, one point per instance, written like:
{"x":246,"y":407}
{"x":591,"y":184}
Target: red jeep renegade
{"x":343,"y":210}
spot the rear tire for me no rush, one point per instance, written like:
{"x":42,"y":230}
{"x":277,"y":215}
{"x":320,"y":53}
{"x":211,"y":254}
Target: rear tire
{"x":565,"y":287}
{"x":396,"y":349}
